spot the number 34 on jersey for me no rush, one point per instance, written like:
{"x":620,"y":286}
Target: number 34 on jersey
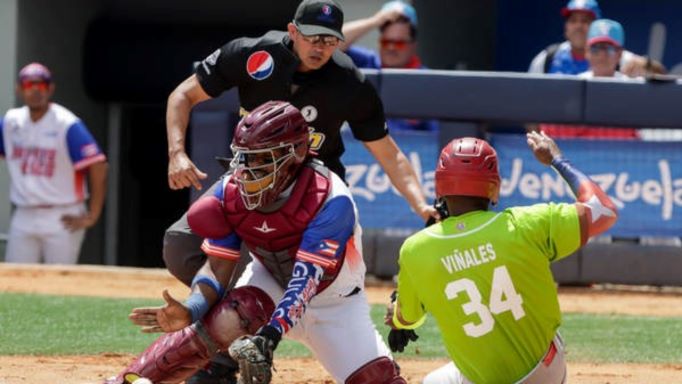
{"x":503,"y":298}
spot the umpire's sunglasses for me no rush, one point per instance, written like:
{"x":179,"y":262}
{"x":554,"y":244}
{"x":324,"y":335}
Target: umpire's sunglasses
{"x":326,"y":40}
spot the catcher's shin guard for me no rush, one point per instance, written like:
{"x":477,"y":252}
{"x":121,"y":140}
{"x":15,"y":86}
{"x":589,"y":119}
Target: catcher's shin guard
{"x":381,"y":370}
{"x":174,"y":357}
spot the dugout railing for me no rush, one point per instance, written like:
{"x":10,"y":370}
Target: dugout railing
{"x":469,"y":103}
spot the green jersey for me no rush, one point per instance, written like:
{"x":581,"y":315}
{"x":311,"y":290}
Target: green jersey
{"x":485,"y":278}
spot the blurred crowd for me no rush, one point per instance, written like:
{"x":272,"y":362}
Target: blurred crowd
{"x":594,"y":46}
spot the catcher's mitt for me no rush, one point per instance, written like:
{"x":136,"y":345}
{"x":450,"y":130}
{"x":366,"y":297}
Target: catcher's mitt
{"x":254,"y":355}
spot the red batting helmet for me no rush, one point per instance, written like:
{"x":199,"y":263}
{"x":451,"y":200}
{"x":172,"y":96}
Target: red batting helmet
{"x":468,"y":167}
{"x":269,"y":146}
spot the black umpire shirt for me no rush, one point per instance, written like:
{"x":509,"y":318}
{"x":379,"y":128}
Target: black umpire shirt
{"x":264,"y":69}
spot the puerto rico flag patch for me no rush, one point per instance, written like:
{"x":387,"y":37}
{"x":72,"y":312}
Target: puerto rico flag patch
{"x":328,"y":248}
{"x":89,"y":150}
{"x":260,"y":65}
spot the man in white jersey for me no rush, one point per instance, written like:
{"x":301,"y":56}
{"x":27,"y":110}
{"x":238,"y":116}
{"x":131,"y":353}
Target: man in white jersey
{"x":49,"y":153}
{"x":485,"y":277}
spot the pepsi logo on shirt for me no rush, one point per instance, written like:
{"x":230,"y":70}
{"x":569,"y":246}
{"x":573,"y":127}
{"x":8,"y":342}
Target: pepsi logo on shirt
{"x":260,"y":65}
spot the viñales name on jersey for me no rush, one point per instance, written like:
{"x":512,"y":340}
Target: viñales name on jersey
{"x":462,"y":259}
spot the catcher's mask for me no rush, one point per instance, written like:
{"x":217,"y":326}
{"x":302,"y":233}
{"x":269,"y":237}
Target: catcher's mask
{"x":468,"y":167}
{"x":269,"y":146}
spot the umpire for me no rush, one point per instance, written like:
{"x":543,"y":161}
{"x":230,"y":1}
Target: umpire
{"x":301,"y":66}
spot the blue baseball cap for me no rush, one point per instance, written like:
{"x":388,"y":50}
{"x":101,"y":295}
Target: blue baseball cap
{"x":606,"y":31}
{"x":35,"y":71}
{"x":406,"y":9}
{"x":587,"y":6}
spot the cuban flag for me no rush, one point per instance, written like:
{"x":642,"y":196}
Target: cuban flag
{"x":328,"y":248}
{"x":260,"y":65}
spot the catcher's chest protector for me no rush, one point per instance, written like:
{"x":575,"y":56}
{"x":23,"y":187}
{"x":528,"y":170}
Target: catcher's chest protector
{"x":275,"y":237}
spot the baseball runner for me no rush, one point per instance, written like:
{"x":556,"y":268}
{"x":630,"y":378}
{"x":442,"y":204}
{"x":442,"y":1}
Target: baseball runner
{"x":485,"y":277}
{"x":305,"y":280}
{"x":49,"y":152}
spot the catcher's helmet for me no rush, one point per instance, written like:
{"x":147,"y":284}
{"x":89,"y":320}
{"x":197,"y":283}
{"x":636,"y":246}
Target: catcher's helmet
{"x":468,"y":167}
{"x":269,"y":146}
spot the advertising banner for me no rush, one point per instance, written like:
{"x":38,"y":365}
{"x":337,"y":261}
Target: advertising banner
{"x":379,"y":203}
{"x":644,"y":179}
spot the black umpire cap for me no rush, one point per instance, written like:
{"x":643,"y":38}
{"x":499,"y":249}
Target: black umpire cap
{"x":319,"y":17}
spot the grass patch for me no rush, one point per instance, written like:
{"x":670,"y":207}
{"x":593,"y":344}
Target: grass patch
{"x":622,"y":339}
{"x":58,"y":325}
{"x":55,"y":325}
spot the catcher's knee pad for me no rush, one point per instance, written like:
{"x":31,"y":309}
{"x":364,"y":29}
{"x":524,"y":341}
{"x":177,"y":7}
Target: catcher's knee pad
{"x":243,"y":311}
{"x":170,"y":359}
{"x":176,"y":356}
{"x":378,"y":371}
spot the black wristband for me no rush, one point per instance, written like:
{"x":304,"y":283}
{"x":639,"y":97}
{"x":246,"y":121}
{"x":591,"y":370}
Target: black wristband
{"x":271,"y":333}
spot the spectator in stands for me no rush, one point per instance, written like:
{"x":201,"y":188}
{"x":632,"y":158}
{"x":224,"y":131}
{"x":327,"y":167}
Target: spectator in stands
{"x":605,"y":41}
{"x":570,"y":58}
{"x":397,"y":23}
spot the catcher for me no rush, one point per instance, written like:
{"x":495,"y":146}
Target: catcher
{"x":305,"y":280}
{"x":485,"y":277}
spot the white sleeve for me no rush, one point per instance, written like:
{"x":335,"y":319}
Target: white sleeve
{"x":538,"y":63}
